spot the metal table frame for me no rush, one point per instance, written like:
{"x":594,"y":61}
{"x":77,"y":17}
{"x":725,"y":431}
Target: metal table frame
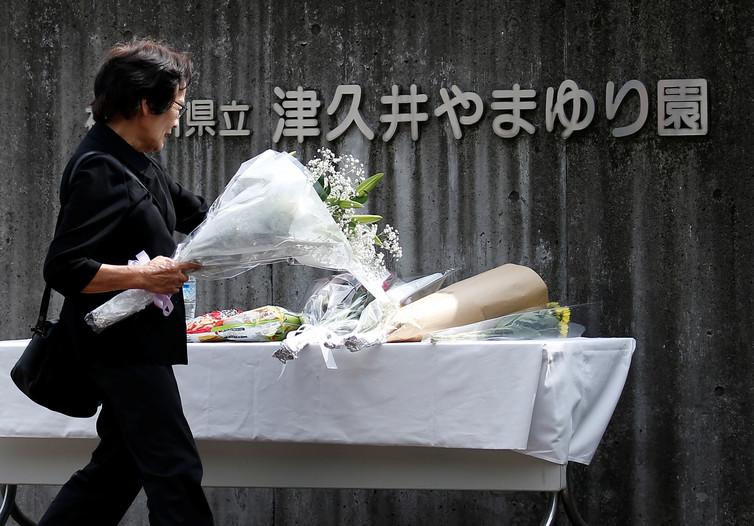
{"x":304,"y":465}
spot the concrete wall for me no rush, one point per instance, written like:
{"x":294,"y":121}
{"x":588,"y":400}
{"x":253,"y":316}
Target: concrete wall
{"x":655,"y":230}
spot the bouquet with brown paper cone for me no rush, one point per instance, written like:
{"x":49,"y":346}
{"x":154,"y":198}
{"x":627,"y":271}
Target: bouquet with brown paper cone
{"x":503,"y":290}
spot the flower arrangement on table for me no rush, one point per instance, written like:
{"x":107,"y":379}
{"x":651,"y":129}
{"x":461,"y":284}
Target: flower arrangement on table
{"x":276,"y":209}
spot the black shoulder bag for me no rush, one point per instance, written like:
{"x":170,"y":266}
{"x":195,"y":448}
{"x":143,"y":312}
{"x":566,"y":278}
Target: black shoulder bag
{"x":47,"y":372}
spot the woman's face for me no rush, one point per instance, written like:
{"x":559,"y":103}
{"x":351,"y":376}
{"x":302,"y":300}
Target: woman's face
{"x":156,"y":128}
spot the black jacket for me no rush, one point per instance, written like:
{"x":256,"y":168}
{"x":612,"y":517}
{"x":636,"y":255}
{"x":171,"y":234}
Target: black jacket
{"x":108,"y":217}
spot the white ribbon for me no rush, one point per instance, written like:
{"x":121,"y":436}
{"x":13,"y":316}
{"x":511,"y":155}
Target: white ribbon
{"x":314,"y":334}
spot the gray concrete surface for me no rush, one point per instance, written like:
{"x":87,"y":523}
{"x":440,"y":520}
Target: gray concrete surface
{"x":657,"y":231}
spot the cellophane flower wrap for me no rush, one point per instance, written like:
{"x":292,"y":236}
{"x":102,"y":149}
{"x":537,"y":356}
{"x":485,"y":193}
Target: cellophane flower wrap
{"x":341,"y":314}
{"x":268,"y":212}
{"x":552,"y":321}
{"x":330,"y":317}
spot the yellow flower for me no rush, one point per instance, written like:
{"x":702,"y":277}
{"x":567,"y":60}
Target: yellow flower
{"x":564,"y":316}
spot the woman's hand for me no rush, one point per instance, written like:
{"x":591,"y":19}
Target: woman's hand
{"x":164,"y":276}
{"x":161,"y":275}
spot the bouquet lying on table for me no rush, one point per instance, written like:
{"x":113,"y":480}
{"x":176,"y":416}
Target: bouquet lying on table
{"x":507,"y":302}
{"x":341,"y":313}
{"x":275,"y":209}
{"x":550,"y":321}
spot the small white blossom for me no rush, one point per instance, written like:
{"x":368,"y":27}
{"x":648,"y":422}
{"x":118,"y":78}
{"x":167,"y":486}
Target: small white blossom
{"x":391,"y":242}
{"x":341,"y":181}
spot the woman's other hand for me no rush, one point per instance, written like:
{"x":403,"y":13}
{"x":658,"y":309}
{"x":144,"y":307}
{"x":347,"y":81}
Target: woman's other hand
{"x":163,"y":275}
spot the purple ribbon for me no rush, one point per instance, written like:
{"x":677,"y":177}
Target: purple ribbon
{"x":161,"y":301}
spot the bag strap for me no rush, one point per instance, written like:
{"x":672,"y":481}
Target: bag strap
{"x":44,"y":307}
{"x":39,"y":327}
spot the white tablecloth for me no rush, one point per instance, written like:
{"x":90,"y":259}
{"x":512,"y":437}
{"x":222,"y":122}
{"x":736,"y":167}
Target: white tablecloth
{"x":551,"y":399}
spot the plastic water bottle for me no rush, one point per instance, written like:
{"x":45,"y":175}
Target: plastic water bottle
{"x":189,"y":298}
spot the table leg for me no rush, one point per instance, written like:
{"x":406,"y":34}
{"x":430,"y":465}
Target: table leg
{"x":570,"y":506}
{"x":7,"y":503}
{"x":9,"y":509}
{"x":552,"y":510}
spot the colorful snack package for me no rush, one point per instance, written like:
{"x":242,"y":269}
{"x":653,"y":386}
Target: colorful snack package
{"x":200,"y":329}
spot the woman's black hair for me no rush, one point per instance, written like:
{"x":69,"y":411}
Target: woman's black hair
{"x":136,"y":71}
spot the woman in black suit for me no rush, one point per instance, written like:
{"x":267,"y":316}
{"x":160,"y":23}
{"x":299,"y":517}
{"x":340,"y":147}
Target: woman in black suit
{"x":119,"y":202}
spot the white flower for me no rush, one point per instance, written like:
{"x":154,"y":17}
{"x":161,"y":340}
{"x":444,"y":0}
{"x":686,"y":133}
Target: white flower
{"x":341,"y":182}
{"x":391,"y":242}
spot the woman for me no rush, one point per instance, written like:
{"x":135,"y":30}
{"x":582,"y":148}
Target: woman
{"x":119,"y":202}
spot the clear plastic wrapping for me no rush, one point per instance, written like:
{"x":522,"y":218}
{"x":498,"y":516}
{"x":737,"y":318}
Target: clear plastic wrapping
{"x":267,"y":213}
{"x":128,"y":302}
{"x":341,"y":313}
{"x":552,"y":321}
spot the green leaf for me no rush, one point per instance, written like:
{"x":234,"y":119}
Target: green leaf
{"x":293,"y":153}
{"x":366,"y":219}
{"x":347,"y":203}
{"x":361,"y":199}
{"x":369,"y":183}
{"x":321,"y":191}
{"x":378,"y":241}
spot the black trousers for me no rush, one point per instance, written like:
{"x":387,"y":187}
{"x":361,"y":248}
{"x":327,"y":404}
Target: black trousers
{"x":146,"y":442}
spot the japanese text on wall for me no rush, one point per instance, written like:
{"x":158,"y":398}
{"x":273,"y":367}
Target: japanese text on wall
{"x":681,"y":110}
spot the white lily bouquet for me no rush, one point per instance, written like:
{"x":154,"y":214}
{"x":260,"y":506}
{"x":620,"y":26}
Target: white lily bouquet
{"x":275,"y":209}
